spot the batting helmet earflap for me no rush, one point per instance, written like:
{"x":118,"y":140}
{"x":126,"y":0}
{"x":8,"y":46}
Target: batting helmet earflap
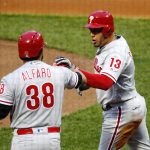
{"x":30,"y":45}
{"x":101,"y":19}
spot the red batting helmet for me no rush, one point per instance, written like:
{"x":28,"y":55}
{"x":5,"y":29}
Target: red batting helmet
{"x":30,"y":45}
{"x":101,"y":19}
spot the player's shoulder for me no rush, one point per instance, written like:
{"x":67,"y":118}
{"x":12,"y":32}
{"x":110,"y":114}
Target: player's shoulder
{"x":119,"y":42}
{"x":61,"y":69}
{"x":11,"y":75}
{"x":8,"y":76}
{"x":119,"y":46}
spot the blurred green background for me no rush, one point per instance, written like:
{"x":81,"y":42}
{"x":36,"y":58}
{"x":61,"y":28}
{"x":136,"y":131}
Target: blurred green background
{"x":81,"y":130}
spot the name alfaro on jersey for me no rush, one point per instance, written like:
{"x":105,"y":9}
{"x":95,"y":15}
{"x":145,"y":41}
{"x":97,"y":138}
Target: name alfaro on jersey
{"x":36,"y":73}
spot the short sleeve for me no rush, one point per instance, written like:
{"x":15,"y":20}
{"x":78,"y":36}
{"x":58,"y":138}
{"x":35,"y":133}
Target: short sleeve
{"x":71,"y":79}
{"x":6,"y":95}
{"x":113,"y":66}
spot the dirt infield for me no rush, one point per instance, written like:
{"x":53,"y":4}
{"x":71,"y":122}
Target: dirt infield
{"x":132,"y":8}
{"x":8,"y":50}
{"x":72,"y":101}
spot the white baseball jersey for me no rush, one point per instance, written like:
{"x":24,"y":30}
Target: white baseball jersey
{"x":36,"y":91}
{"x":124,"y":121}
{"x":115,"y":61}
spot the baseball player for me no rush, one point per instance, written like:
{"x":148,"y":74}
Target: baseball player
{"x":33,"y":94}
{"x":124,"y":109}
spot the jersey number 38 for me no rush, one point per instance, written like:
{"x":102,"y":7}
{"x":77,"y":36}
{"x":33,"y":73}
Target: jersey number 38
{"x":33,"y":92}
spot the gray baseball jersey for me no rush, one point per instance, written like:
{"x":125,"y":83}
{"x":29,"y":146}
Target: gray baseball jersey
{"x":115,"y":61}
{"x":36,"y":91}
{"x":124,"y":120}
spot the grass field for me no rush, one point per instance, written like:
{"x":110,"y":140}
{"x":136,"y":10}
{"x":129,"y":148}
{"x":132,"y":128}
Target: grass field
{"x":81,"y":130}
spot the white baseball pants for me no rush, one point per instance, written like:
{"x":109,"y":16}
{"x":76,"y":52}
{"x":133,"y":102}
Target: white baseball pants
{"x":125,"y":124}
{"x":47,"y":141}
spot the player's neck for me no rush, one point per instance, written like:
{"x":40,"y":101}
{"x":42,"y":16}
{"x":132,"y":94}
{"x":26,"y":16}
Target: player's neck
{"x":109,"y":39}
{"x":39,"y":58}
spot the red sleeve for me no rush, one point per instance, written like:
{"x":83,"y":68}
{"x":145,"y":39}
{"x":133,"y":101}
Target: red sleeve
{"x":98,"y":81}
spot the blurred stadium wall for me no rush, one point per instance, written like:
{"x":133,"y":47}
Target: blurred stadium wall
{"x":124,"y":8}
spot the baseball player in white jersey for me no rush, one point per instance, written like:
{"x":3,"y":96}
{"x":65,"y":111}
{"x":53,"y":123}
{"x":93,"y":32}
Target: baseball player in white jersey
{"x":33,"y":94}
{"x":124,"y":109}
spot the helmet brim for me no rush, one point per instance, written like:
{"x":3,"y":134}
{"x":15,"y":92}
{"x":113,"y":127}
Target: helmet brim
{"x":93,"y":26}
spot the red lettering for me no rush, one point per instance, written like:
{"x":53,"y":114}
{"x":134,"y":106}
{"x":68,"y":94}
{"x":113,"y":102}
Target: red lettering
{"x":24,"y":77}
{"x":43,"y":72}
{"x":96,"y":66}
{"x":1,"y":88}
{"x":38,"y":74}
{"x":33,"y":73}
{"x":115,"y":63}
{"x":98,"y":69}
{"x":48,"y":73}
{"x":34,"y":97}
{"x":48,"y":96}
{"x":28,"y":75}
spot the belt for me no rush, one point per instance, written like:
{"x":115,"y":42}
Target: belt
{"x":108,"y":106}
{"x":37,"y":130}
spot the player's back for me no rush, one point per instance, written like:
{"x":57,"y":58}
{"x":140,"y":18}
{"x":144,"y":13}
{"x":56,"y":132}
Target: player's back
{"x":38,"y":93}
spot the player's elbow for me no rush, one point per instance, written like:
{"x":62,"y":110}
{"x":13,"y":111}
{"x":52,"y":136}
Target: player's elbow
{"x":105,"y":87}
{"x":4,"y":111}
{"x":102,"y":84}
{"x":98,"y":81}
{"x":2,"y":115}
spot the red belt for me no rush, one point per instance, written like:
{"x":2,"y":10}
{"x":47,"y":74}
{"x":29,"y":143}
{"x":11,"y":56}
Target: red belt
{"x":30,"y":130}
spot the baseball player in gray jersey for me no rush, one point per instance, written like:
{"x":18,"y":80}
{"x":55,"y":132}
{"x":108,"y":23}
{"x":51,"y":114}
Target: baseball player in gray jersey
{"x":124,"y":109}
{"x":33,"y":94}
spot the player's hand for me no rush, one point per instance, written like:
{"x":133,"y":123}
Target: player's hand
{"x":81,"y":88}
{"x":62,"y":61}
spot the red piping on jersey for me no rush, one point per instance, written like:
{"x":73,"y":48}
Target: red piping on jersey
{"x":99,"y":81}
{"x":6,"y":102}
{"x":116,"y":128}
{"x":109,"y":75}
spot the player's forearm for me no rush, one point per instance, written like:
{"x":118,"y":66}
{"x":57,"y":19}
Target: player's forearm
{"x":98,"y":81}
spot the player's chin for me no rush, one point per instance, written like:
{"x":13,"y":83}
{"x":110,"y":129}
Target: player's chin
{"x":94,"y":43}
